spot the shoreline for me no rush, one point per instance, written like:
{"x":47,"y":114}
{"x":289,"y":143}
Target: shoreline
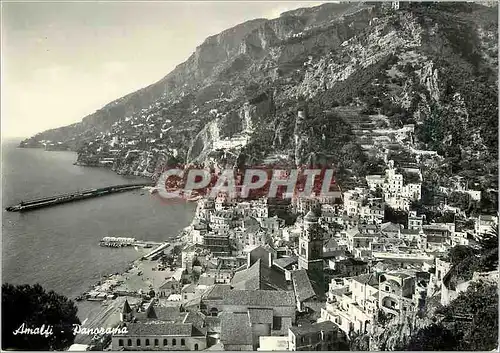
{"x":105,"y":313}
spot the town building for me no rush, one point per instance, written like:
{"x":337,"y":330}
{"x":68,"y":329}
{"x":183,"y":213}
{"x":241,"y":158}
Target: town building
{"x":311,"y":244}
{"x":484,"y":223}
{"x":322,"y":336}
{"x":160,"y":328}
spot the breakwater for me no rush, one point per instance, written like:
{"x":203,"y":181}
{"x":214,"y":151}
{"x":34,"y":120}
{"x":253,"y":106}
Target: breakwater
{"x":71,"y":197}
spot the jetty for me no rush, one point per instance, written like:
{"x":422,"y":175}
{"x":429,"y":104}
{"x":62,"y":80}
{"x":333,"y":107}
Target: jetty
{"x":74,"y":196}
{"x":118,"y":242}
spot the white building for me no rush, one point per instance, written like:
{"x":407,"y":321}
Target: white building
{"x":483,"y":224}
{"x":396,"y":194}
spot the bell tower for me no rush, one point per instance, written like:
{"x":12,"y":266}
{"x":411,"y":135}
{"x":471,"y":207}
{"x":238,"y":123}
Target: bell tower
{"x":311,"y":244}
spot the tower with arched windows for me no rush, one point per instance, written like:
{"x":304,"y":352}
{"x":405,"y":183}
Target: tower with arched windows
{"x":311,"y":244}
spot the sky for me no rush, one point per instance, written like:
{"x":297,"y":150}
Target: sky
{"x":64,"y":60}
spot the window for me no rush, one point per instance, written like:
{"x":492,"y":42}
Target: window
{"x":120,"y":343}
{"x":174,"y":342}
{"x":165,"y":342}
{"x":147,"y":341}
{"x":157,"y":343}
{"x":276,"y":323}
{"x":138,"y":342}
{"x":129,"y":342}
{"x":387,"y":289}
{"x":196,"y":347}
{"x":183,"y":342}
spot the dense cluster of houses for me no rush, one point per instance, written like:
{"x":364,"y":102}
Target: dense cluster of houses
{"x":266,"y":283}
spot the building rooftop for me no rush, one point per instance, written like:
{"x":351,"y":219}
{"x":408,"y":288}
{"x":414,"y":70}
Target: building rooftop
{"x":484,"y":217}
{"x":285,"y":262}
{"x":158,"y":329}
{"x":314,"y":328}
{"x":259,"y":298}
{"x":216,"y":292}
{"x":390,"y":227}
{"x":260,"y":316}
{"x":369,"y":278}
{"x":126,"y":307}
{"x":302,"y":285}
{"x":353,"y":261}
{"x":159,"y":313}
{"x":259,"y":276}
{"x":410,"y":231}
{"x":189,"y":288}
{"x":206,"y":281}
{"x":311,"y":216}
{"x":236,"y":329}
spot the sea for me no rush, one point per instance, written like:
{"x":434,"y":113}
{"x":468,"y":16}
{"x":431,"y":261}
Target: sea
{"x":58,"y":246}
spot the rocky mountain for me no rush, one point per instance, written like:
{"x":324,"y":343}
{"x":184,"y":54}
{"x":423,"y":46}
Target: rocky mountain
{"x":360,"y":73}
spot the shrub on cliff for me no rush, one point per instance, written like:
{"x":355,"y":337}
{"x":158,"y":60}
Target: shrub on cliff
{"x":470,"y":323}
{"x":479,"y":304}
{"x":30,"y":307}
{"x":433,"y":338}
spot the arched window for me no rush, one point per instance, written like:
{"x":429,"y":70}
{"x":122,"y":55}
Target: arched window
{"x":183,"y":342}
{"x":147,"y":341}
{"x":157,"y":343}
{"x":165,"y":342}
{"x":174,"y":342}
{"x":196,"y":347}
{"x":120,"y":343}
{"x":138,"y":342}
{"x":129,"y":342}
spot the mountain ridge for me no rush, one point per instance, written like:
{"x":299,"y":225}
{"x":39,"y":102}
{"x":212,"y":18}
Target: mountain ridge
{"x":348,"y":65}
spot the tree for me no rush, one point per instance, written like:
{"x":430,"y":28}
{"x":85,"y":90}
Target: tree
{"x":490,"y":240}
{"x":459,"y":253}
{"x":378,"y":193}
{"x":34,"y":307}
{"x":395,"y":216}
{"x":479,"y":303}
{"x":447,"y":217}
{"x":459,"y":199}
{"x":359,"y":342}
{"x":433,"y":338}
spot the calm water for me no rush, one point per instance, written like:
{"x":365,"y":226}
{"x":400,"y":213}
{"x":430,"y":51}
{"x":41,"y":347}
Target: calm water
{"x":58,"y":247}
